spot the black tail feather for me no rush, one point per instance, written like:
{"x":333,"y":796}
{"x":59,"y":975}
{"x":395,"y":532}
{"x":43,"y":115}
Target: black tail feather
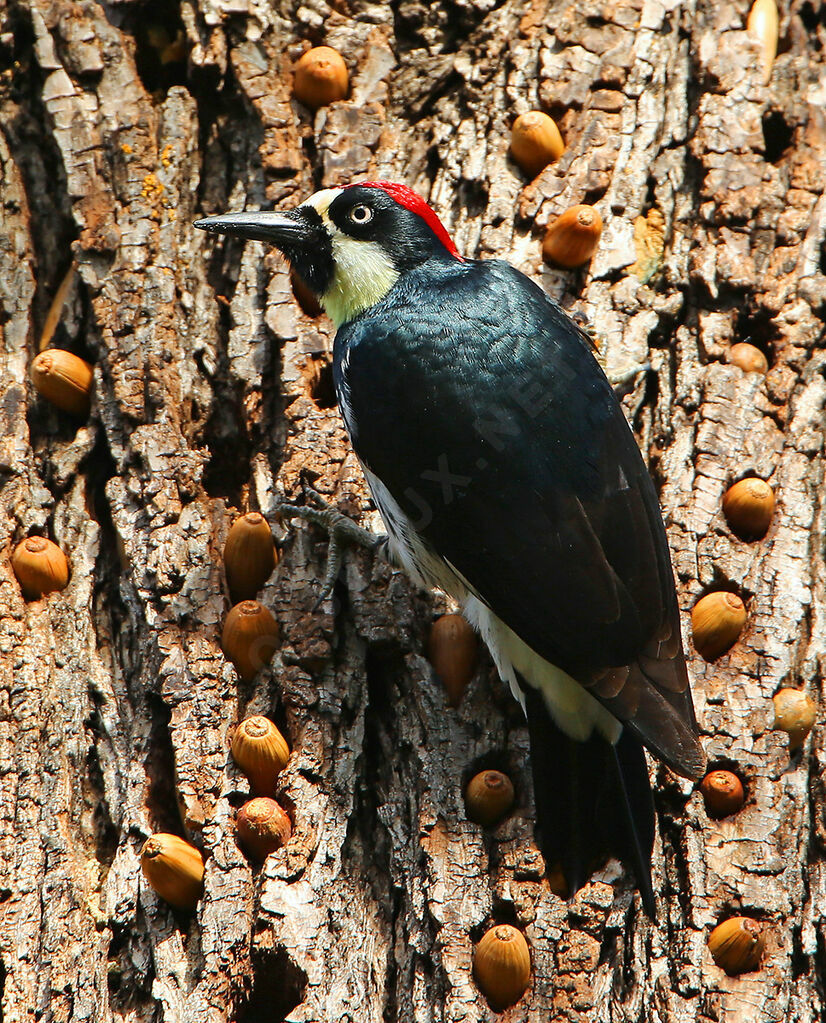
{"x":593,"y":799}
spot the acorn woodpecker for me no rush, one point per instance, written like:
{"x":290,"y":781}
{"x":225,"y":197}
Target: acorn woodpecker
{"x":507,"y":475}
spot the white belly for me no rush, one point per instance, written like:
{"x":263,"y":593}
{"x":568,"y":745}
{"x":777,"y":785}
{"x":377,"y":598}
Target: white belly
{"x":573,"y":709}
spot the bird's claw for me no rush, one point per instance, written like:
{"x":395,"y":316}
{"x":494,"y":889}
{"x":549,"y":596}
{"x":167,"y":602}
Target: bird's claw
{"x":342,"y":532}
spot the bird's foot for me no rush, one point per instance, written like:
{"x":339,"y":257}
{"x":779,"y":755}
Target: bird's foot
{"x":342,"y":531}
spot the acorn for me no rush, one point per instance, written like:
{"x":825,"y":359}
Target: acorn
{"x":250,"y":637}
{"x":249,"y":556}
{"x":261,"y":752}
{"x":748,"y":506}
{"x":716,"y":621}
{"x":535,"y":142}
{"x":174,"y":868}
{"x":763,"y":25}
{"x":573,"y":237}
{"x":488,"y":797}
{"x":502,"y":966}
{"x":723,"y":793}
{"x":63,"y":379}
{"x":262,"y":827}
{"x":321,"y":77}
{"x":305,"y":297}
{"x":40,"y":566}
{"x":794,"y":712}
{"x":452,"y":648}
{"x":736,"y":945}
{"x":748,"y":358}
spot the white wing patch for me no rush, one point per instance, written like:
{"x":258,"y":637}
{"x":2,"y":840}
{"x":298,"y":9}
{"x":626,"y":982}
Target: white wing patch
{"x":574,"y":710}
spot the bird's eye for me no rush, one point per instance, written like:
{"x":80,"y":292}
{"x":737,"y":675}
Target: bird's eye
{"x":361,"y":214}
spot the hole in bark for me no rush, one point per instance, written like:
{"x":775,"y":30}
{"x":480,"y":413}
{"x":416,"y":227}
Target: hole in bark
{"x":278,"y":987}
{"x":162,"y":797}
{"x":323,"y":390}
{"x":472,"y":198}
{"x":756,"y":327}
{"x":812,"y":17}
{"x":777,"y":135}
{"x":104,"y":832}
{"x":160,"y":45}
{"x":593,"y":195}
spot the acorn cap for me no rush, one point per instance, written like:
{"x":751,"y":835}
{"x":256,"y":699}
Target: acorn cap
{"x":452,"y":649}
{"x":716,"y":622}
{"x":262,"y":827}
{"x":321,"y":77}
{"x":488,"y":797}
{"x":174,"y":868}
{"x":249,"y":556}
{"x":794,"y":713}
{"x":748,"y":358}
{"x":535,"y":142}
{"x":502,"y":966}
{"x":573,"y":237}
{"x":63,"y":379}
{"x":736,"y":945}
{"x":748,"y":506}
{"x":250,"y":638}
{"x":40,"y":566}
{"x":261,"y":752}
{"x":723,"y":793}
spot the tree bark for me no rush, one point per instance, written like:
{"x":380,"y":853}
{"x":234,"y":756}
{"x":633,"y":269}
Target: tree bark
{"x":124,"y":122}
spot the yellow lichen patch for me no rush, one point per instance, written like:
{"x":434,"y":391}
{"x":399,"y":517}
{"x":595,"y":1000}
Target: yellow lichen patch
{"x":153,"y":189}
{"x":125,"y":148}
{"x":649,"y":242}
{"x":166,"y":155}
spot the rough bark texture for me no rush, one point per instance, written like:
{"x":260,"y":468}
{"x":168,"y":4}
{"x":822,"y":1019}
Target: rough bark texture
{"x":123,"y":122}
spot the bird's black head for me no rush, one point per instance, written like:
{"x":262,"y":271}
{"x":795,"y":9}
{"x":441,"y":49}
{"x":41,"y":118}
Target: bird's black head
{"x":351,"y":244}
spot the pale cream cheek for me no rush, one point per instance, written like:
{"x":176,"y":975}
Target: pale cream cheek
{"x":363,"y":276}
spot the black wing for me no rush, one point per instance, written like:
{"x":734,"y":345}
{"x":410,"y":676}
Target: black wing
{"x":479,"y":405}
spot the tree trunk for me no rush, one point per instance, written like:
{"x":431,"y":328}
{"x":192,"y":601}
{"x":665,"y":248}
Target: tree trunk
{"x":124,"y":122}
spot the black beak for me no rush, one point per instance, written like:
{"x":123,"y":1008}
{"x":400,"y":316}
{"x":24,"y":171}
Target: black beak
{"x":300,"y":235}
{"x":285,"y":232}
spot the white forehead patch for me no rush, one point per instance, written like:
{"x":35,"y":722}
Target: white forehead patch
{"x":364,"y":272}
{"x":320,"y":201}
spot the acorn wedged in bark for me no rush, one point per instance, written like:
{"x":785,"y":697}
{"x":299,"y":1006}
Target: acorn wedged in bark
{"x":488,"y":797}
{"x":249,"y":556}
{"x":502,"y":966}
{"x":40,"y":566}
{"x":763,"y":25}
{"x":452,"y":648}
{"x":748,"y":506}
{"x":794,"y":713}
{"x":262,"y":827}
{"x":748,"y":358}
{"x":261,"y":751}
{"x":716,"y":622}
{"x":573,"y":237}
{"x":535,"y":142}
{"x":736,"y":945}
{"x":250,"y":638}
{"x":723,"y":793}
{"x":321,"y":77}
{"x":174,"y":868}
{"x":64,"y":379}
